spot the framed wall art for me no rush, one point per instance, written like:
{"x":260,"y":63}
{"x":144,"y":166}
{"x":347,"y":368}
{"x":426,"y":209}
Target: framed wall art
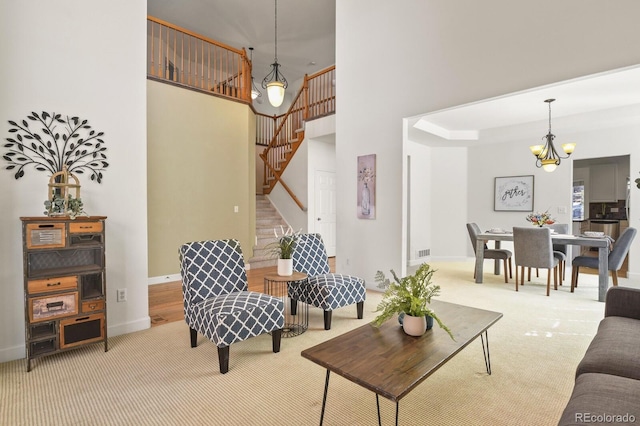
{"x":513,"y":193}
{"x":366,"y":205}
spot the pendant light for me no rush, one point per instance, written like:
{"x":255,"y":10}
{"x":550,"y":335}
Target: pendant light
{"x":274,"y":82}
{"x":255,"y":93}
{"x":546,"y":155}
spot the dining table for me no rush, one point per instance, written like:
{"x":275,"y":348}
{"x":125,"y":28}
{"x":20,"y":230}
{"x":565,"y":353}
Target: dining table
{"x":601,"y":243}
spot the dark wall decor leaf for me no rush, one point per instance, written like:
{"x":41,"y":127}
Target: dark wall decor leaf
{"x":50,"y":149}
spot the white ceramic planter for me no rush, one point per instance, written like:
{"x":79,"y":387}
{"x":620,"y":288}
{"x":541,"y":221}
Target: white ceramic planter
{"x":414,"y":326}
{"x":285,"y":267}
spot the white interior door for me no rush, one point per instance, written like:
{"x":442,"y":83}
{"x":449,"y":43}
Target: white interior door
{"x":325,"y":209}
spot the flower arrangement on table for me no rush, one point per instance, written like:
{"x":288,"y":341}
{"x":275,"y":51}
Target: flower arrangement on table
{"x":540,"y":219}
{"x":410,"y":295}
{"x":285,"y":243}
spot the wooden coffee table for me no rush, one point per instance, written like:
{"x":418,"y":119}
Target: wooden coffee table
{"x":391,"y":363}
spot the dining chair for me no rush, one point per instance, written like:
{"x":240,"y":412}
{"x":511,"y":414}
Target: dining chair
{"x":560,"y":250}
{"x":496,"y":254}
{"x":217,"y":302}
{"x":616,"y":258}
{"x":533,"y":249}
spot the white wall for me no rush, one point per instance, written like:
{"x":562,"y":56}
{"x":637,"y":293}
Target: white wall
{"x":86,"y":59}
{"x":444,"y":58}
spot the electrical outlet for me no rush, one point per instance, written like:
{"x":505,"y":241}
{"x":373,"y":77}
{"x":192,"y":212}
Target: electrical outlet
{"x":562,"y":210}
{"x":121,"y":295}
{"x":235,"y":209}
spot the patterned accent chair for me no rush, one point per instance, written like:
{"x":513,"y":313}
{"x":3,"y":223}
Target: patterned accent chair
{"x":217,"y":302}
{"x":324,"y":289}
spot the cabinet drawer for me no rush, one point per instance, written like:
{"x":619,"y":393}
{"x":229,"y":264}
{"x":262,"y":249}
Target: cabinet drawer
{"x":43,"y":329}
{"x":92,"y":306}
{"x":55,"y":306}
{"x":45,"y":235}
{"x":52,"y":284}
{"x":80,"y":227}
{"x":81,"y":330}
{"x":43,"y":346}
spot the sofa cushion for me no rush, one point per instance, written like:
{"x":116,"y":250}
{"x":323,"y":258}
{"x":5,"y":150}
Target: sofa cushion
{"x":614,"y":350}
{"x":602,"y":399}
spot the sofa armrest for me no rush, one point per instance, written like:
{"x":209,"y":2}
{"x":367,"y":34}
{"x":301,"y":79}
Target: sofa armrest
{"x":622,"y":302}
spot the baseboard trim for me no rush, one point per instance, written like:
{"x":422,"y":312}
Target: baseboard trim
{"x":163,"y":279}
{"x":129,"y":327}
{"x":13,"y":353}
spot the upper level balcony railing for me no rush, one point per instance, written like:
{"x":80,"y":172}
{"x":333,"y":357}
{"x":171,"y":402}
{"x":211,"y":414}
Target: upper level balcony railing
{"x":177,"y":55}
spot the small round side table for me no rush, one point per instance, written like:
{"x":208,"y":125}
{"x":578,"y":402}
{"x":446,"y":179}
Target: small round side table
{"x":296,"y":318}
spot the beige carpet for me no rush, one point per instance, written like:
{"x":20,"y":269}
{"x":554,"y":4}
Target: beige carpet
{"x":153,"y":377}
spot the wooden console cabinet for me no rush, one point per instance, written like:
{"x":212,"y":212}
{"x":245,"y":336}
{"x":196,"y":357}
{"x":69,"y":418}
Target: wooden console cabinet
{"x":64,"y":283}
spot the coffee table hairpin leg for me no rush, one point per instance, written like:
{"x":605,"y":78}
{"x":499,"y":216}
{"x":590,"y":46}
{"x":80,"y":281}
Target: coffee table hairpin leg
{"x":487,"y":357}
{"x":378,"y":405}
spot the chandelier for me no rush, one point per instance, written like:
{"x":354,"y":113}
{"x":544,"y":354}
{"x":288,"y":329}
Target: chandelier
{"x":255,"y":93}
{"x":546,"y":155}
{"x":274,"y":82}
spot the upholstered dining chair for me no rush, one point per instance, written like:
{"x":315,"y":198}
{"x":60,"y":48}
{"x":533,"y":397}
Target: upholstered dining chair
{"x":217,"y":302}
{"x":616,"y":258}
{"x":324,"y":290}
{"x":560,"y":250}
{"x":533,"y":249}
{"x":496,"y":254}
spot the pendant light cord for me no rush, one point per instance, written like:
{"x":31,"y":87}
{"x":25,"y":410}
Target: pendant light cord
{"x":276,"y":30}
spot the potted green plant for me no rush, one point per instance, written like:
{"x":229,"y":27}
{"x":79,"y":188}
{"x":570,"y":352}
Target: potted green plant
{"x":283,"y":249}
{"x":56,"y":207}
{"x":410,"y":296}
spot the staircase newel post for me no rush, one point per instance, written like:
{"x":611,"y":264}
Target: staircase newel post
{"x":305,"y":87}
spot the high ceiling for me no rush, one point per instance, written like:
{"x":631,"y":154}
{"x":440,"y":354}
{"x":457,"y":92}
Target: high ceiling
{"x":306,"y":30}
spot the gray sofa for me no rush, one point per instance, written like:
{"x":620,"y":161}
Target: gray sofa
{"x":607,"y":387}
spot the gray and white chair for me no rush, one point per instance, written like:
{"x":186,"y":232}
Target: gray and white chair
{"x":616,"y":258}
{"x":217,"y":302}
{"x":324,"y":290}
{"x":499,"y":254}
{"x":560,"y":250}
{"x":533,"y":249}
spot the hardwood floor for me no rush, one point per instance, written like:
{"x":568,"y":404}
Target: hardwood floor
{"x":165,"y":300}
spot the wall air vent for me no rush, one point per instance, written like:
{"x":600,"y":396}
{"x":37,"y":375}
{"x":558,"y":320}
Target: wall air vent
{"x":423,"y":253}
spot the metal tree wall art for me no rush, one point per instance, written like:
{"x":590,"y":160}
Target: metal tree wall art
{"x":53,"y":142}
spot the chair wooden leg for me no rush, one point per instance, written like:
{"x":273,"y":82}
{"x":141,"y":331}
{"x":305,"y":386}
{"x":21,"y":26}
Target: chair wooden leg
{"x":276,"y":338}
{"x":574,"y":277}
{"x":327,"y":320}
{"x":560,"y":273}
{"x":614,"y":276}
{"x":194,"y":337}
{"x":549,"y":281}
{"x":528,"y":276}
{"x":360,"y":309}
{"x":506,"y":273}
{"x":556,"y":277}
{"x":517,"y":277}
{"x":510,"y":269}
{"x":223,"y":359}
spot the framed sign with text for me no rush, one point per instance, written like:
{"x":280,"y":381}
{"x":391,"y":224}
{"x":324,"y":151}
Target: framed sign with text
{"x":513,"y":193}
